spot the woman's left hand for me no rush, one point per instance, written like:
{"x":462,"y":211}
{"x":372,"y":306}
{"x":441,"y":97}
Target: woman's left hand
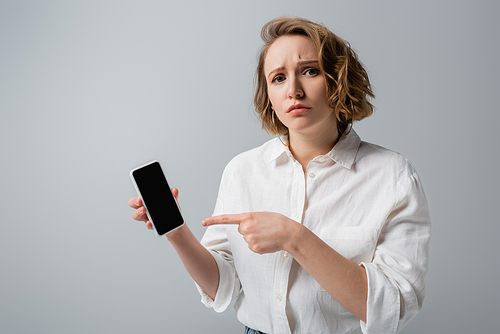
{"x":264,"y":232}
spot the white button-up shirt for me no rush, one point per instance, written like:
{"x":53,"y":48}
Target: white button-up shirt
{"x":365,"y":201}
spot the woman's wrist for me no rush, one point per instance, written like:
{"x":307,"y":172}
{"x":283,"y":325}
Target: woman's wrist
{"x":178,"y":233}
{"x":296,"y":232}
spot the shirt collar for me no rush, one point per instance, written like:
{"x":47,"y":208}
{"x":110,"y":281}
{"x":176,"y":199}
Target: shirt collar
{"x":343,"y":153}
{"x":276,"y":150}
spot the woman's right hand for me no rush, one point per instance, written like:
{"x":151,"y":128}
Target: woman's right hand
{"x":140,"y":212}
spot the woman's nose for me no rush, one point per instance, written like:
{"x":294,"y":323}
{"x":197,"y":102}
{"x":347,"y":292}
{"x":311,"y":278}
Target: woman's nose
{"x":295,"y":89}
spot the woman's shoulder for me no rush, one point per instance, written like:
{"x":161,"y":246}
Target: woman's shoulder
{"x":379,"y":157}
{"x":257,"y":155}
{"x":245,"y":166}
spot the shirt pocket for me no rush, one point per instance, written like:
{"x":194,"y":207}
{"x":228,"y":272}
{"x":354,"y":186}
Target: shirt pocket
{"x":355,"y":243}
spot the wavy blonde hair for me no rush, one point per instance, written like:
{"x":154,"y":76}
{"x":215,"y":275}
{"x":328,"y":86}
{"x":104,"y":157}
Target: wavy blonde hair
{"x":348,"y":85}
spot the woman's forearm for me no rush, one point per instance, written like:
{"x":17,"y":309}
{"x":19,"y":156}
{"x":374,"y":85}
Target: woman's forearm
{"x":197,"y":260}
{"x":342,"y":279}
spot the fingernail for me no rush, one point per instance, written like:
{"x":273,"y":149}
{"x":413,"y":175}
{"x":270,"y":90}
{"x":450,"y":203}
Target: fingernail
{"x":137,"y":202}
{"x":204,"y":222}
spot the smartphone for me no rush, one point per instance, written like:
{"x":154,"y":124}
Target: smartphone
{"x":161,"y":206}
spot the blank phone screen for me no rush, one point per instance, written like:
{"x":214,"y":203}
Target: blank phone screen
{"x":158,"y":198}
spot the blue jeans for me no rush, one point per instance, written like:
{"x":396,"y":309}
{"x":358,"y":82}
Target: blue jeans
{"x":251,"y":331}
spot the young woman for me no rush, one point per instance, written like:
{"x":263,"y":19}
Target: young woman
{"x":315,"y":231}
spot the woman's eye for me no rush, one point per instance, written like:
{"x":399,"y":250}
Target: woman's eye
{"x":278,"y":79}
{"x":311,"y":71}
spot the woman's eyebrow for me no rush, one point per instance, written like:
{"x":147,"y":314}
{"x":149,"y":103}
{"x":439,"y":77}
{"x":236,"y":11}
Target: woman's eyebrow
{"x":300,"y":63}
{"x":306,"y":62}
{"x":278,"y":69}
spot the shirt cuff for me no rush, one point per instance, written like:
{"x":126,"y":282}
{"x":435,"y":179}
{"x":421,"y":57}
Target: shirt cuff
{"x":228,"y":286}
{"x":383,"y":302}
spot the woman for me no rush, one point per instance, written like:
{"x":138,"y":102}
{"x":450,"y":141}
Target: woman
{"x":315,"y":232}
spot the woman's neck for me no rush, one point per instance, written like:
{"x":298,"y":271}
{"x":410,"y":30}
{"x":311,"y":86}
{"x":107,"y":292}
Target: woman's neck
{"x":306,"y":147}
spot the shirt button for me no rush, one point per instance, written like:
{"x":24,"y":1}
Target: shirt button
{"x":280,"y":298}
{"x":312,"y":175}
{"x":285,"y":254}
{"x":296,"y":215}
{"x":321,"y":159}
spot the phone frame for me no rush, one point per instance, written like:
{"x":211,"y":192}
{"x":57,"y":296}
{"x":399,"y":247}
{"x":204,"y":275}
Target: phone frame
{"x":144,"y":202}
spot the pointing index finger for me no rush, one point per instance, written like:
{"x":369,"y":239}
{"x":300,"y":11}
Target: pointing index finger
{"x":223,"y":220}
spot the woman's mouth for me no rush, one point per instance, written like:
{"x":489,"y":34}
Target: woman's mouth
{"x":296,"y":109}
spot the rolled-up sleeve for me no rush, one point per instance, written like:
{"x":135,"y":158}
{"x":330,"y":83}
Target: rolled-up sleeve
{"x":216,"y":241}
{"x":229,"y":284}
{"x":396,"y":276}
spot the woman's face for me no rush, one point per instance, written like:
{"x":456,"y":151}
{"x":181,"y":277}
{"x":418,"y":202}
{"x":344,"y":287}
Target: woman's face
{"x":296,"y":86}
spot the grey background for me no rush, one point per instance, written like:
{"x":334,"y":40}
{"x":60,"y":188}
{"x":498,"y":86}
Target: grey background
{"x":92,"y":89}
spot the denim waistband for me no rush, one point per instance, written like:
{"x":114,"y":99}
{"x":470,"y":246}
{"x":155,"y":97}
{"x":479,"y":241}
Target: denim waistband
{"x":248,"y":330}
